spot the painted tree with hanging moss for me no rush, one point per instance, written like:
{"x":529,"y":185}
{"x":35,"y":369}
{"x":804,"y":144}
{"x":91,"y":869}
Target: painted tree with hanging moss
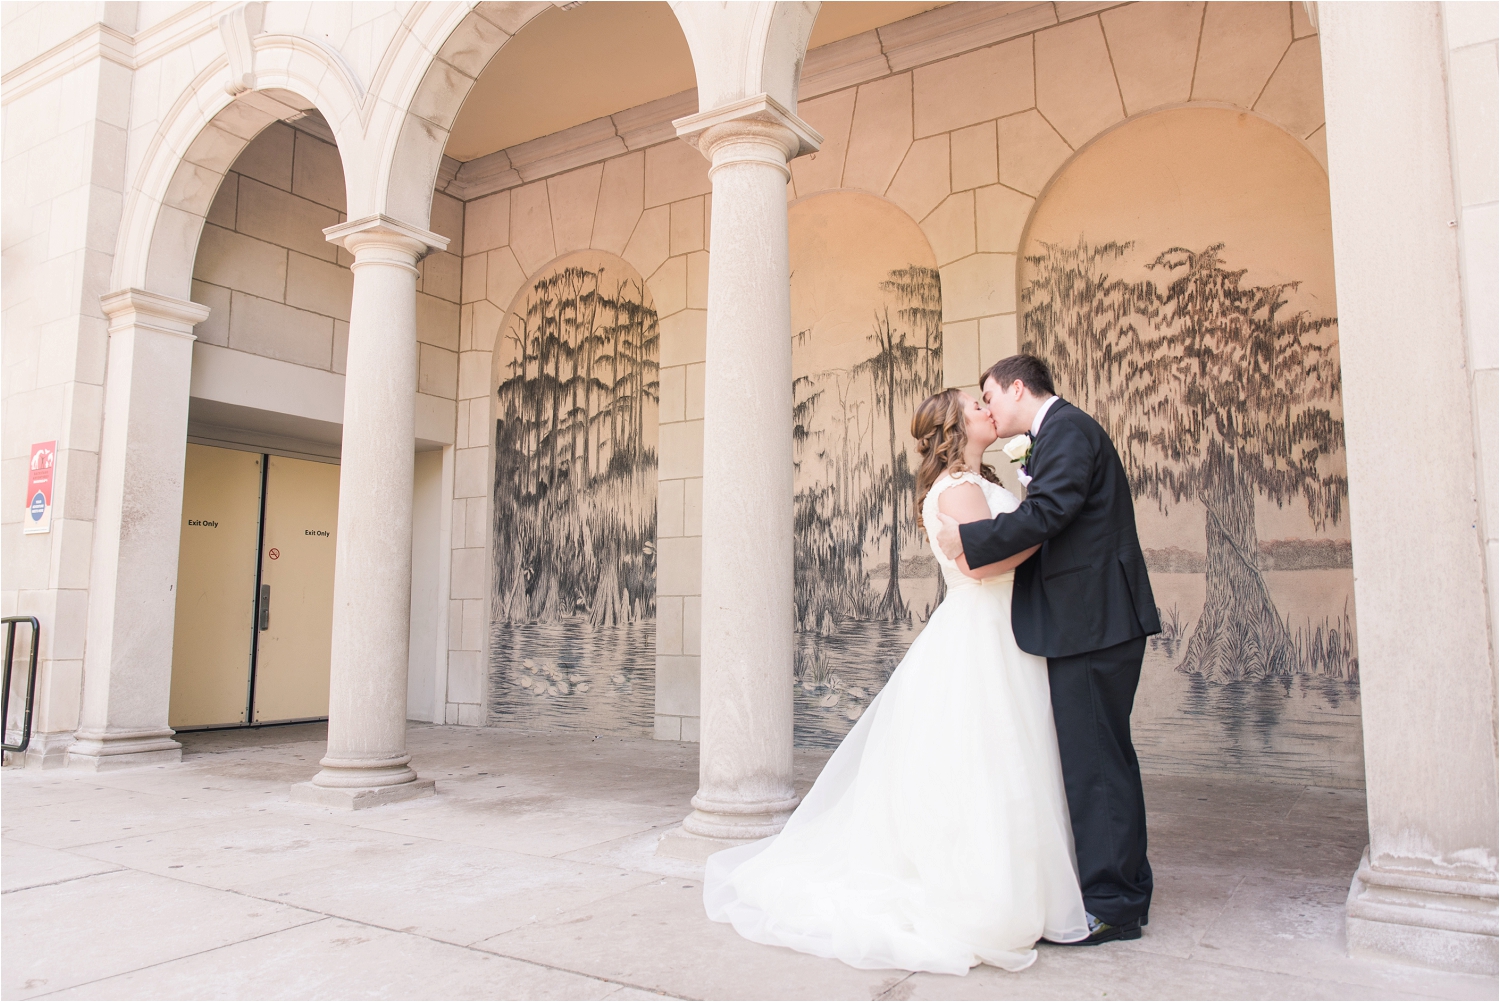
{"x":575,"y":475}
{"x":1214,"y":391}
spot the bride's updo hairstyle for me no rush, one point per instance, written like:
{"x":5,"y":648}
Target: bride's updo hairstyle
{"x":938,"y":427}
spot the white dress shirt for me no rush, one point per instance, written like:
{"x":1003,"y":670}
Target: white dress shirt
{"x":1036,"y":422}
{"x":1036,"y":426}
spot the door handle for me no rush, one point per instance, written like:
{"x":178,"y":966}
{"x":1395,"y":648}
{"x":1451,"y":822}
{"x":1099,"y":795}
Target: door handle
{"x":265,"y":607}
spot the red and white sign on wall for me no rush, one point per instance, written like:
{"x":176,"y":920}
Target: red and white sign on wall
{"x":39,"y":487}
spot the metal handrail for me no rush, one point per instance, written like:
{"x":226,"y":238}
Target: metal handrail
{"x":10,"y":650}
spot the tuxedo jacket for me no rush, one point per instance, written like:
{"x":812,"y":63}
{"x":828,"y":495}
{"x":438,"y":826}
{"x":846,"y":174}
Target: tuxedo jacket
{"x":1086,"y":588}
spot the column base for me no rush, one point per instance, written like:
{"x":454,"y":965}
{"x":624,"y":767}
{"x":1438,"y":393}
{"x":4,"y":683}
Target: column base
{"x":680,"y":844}
{"x":103,"y":751}
{"x":738,"y":822}
{"x":354,"y":798}
{"x":46,"y":751}
{"x":1416,"y":918}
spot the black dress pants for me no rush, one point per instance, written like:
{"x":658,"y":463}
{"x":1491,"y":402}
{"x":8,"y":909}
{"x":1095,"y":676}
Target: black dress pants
{"x":1092,"y":695}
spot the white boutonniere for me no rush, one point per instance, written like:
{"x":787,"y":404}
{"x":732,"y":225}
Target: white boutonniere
{"x":1019,"y":451}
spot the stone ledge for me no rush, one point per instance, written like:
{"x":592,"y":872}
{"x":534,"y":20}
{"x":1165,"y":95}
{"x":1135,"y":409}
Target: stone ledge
{"x":360,"y":797}
{"x":106,"y":751}
{"x":679,"y":844}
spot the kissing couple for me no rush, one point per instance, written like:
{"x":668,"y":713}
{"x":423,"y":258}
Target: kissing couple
{"x":989,"y":797}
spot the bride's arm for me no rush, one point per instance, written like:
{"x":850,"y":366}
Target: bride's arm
{"x":965,"y":503}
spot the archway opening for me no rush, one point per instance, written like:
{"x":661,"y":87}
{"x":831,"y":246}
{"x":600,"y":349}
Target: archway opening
{"x":252,"y":631}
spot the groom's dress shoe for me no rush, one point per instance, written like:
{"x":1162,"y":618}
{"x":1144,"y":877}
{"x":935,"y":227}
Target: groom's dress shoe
{"x":1103,"y":932}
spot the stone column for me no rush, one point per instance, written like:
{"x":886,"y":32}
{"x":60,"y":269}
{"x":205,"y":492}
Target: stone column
{"x":367,"y":763}
{"x":1426,"y":889}
{"x":745,"y":758}
{"x":127,"y":669}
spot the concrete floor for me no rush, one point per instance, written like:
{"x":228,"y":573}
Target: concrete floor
{"x":533,"y":874}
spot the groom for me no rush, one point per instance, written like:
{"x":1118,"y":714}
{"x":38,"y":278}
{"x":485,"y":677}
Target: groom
{"x":1084,"y":603}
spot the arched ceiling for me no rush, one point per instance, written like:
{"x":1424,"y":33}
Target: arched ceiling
{"x":567,"y":67}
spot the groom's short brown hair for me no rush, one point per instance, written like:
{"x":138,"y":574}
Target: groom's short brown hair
{"x":1030,"y":370}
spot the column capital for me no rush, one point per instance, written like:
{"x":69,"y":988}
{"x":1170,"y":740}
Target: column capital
{"x":382,"y":234}
{"x":128,"y":308}
{"x":760,"y":120}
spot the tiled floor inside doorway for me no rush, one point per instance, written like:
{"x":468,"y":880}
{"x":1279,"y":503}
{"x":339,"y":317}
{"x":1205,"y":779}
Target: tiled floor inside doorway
{"x":533,"y":874}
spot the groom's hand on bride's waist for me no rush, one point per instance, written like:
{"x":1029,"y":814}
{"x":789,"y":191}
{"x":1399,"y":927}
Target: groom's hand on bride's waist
{"x":948,"y":539}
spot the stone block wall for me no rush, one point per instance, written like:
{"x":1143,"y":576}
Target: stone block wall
{"x":278,"y":289}
{"x":63,"y":170}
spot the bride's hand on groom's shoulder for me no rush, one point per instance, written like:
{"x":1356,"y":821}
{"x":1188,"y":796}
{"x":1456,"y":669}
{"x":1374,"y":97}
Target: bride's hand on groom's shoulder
{"x":948,"y":539}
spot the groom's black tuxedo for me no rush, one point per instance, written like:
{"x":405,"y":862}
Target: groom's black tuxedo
{"x":1086,"y":589}
{"x":1084,"y":602}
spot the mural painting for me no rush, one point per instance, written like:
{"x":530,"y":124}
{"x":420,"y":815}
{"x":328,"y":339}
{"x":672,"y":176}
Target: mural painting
{"x":1179,"y":278}
{"x":573,"y":601}
{"x":867,"y":347}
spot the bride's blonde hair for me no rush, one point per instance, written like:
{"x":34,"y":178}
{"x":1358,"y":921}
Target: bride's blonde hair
{"x":938,"y":427}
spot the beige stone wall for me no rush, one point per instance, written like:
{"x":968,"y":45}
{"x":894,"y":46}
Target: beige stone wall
{"x":278,"y":289}
{"x":63,"y":174}
{"x":961,"y":139}
{"x":963,"y":145}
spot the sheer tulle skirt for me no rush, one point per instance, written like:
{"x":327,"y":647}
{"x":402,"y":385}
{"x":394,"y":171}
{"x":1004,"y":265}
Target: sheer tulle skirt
{"x":937,"y":836}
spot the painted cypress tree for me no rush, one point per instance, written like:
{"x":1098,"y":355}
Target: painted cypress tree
{"x":1213,"y":392}
{"x":575,"y":533}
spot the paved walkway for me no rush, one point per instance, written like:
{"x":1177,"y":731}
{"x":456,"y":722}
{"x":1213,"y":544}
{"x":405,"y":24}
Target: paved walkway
{"x":533,"y":875}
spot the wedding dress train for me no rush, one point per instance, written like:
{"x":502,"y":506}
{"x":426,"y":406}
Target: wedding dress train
{"x":937,"y":836}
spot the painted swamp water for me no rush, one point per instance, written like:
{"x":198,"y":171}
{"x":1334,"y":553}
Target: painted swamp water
{"x":571,"y":675}
{"x":1302,"y":726}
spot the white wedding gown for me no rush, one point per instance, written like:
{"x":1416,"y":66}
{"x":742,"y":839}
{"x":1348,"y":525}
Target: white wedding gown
{"x":937,"y":836}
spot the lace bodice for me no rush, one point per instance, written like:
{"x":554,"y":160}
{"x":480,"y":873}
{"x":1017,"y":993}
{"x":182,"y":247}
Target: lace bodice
{"x":999,"y":499}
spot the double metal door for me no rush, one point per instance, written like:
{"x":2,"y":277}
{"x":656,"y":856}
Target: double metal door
{"x":254,"y":623}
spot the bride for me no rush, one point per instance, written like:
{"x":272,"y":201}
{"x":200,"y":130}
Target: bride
{"x":937,"y":836}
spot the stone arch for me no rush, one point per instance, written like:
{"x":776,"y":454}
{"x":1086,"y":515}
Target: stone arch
{"x":602,"y":254}
{"x":444,"y":53}
{"x":200,"y":137}
{"x":437,"y":60}
{"x":742,"y":50}
{"x":589,"y":490}
{"x":519,"y":233}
